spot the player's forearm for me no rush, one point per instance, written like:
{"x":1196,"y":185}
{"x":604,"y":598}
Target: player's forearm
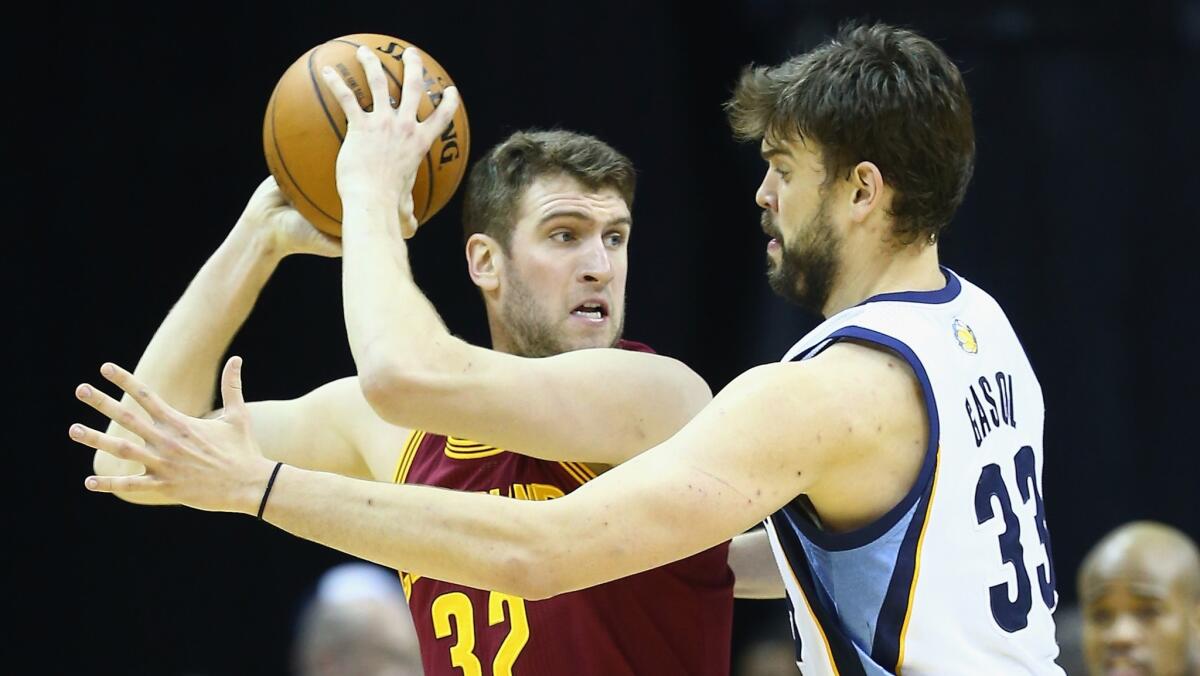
{"x":474,"y":539}
{"x":182,"y":360}
{"x":395,"y":334}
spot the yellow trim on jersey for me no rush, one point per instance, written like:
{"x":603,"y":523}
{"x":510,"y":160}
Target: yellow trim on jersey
{"x":404,"y":464}
{"x":815,"y":621}
{"x":465,"y":449}
{"x":465,"y":444}
{"x":573,"y":469}
{"x":912,"y":590}
{"x":586,"y":470}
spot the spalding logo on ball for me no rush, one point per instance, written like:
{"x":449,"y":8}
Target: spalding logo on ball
{"x":304,"y":127}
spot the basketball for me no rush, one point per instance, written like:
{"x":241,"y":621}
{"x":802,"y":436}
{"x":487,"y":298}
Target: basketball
{"x":304,"y":126}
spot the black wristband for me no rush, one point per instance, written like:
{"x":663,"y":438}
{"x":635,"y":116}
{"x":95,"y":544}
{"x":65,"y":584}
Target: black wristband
{"x":270,"y":482}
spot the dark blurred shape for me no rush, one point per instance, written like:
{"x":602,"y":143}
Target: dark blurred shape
{"x":767,"y":648}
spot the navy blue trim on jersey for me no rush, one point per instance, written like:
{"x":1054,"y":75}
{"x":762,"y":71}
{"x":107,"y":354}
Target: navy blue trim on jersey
{"x":943,"y":295}
{"x":889,"y":624}
{"x":871,"y":532}
{"x":819,"y":347}
{"x":843,"y":651}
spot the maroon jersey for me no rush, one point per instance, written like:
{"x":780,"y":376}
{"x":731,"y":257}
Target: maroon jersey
{"x":671,"y":620}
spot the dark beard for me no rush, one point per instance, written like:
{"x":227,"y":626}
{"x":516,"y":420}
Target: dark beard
{"x":808,"y":266}
{"x":531,"y":333}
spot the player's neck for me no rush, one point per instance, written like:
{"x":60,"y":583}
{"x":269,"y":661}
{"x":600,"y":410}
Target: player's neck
{"x":501,"y":341}
{"x":913,"y":268}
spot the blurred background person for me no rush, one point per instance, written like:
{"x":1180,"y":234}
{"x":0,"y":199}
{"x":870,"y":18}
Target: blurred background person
{"x":1139,"y":591}
{"x":768,"y":648}
{"x":1068,"y":628}
{"x":356,"y":623}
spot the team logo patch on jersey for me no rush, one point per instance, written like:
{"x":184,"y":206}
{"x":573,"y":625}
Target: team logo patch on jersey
{"x":965,"y":337}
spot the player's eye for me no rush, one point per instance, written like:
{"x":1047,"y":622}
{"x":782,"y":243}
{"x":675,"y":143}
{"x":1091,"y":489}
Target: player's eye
{"x":1147,"y":612}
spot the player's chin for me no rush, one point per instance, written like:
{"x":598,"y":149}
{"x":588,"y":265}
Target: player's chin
{"x":589,"y":336}
{"x":1126,"y":668}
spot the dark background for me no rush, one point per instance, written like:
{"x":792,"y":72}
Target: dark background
{"x":143,"y":144}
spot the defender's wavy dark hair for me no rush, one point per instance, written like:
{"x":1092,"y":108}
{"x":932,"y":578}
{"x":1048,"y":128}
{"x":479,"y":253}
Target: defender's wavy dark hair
{"x":873,"y":93}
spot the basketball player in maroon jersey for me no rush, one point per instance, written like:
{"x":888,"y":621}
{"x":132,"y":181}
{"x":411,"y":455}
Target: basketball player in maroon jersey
{"x":547,"y":218}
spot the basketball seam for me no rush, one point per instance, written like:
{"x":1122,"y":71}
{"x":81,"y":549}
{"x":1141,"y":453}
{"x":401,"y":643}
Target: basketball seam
{"x":283,"y":163}
{"x":320,"y":99}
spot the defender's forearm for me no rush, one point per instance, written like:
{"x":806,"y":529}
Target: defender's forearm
{"x":478,"y":540}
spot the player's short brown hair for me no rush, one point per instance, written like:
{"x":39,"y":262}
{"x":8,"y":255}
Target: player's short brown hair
{"x":499,"y":180}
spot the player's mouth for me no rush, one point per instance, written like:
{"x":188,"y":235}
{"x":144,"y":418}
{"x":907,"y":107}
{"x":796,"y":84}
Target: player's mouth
{"x":769,"y":229}
{"x":1125,"y":667}
{"x":591,"y":311}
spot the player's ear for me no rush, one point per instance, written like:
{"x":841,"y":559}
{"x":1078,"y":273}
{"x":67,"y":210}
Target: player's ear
{"x":485,"y":261}
{"x":866,"y":190}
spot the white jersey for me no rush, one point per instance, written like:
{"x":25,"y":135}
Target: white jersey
{"x":957,"y":578}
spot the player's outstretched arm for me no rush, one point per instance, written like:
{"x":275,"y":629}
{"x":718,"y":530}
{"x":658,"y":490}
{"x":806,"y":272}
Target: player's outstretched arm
{"x":182,"y":360}
{"x":599,"y":406}
{"x":738,"y":461}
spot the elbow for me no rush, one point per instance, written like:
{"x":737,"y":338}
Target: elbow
{"x":385,"y":385}
{"x":534,"y":571}
{"x":376,"y":382}
{"x":534,"y":581}
{"x":403,"y":388}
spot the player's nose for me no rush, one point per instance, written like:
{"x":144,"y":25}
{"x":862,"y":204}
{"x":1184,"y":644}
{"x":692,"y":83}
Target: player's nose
{"x":596,"y":263}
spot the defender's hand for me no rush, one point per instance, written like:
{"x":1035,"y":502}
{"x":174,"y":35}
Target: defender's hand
{"x":213,"y":465}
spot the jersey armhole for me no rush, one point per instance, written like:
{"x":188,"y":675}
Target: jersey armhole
{"x":404,"y":462}
{"x":874,"y":530}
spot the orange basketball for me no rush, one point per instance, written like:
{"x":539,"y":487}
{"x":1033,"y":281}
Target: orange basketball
{"x":304,"y":127}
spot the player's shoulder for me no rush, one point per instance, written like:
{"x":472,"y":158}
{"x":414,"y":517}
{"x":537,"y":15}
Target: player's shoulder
{"x":846,"y":380}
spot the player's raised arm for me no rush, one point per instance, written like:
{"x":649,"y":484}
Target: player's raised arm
{"x":592,"y":405}
{"x":182,"y":360}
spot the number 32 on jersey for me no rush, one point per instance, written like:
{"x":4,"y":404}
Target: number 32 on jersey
{"x":454,"y":618}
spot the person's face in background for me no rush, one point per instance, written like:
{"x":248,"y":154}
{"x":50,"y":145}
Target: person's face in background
{"x":1139,"y":618}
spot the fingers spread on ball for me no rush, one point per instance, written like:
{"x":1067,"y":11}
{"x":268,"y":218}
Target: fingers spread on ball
{"x":441,"y":117}
{"x":376,"y":78}
{"x":342,"y":93}
{"x":414,"y":78}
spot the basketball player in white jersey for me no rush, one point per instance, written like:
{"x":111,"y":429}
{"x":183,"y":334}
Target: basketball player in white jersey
{"x":895,"y":453}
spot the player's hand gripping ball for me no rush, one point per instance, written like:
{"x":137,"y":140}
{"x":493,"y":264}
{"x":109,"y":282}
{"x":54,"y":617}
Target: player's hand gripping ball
{"x":304,"y":127}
